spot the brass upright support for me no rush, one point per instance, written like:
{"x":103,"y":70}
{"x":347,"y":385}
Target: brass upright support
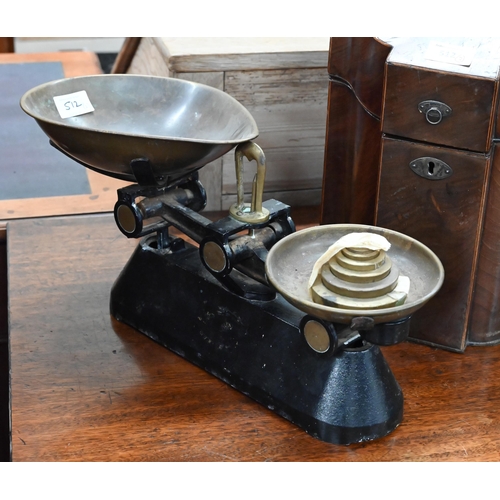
{"x":253,"y":212}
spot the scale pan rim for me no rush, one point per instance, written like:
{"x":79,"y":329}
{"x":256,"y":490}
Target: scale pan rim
{"x":319,"y":239}
{"x":40,"y":117}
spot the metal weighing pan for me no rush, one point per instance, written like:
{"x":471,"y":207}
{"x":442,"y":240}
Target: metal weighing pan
{"x":290,"y":262}
{"x":179,"y":126}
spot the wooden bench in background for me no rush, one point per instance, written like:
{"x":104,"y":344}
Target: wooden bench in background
{"x":283,"y":82}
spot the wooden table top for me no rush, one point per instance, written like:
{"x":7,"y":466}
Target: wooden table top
{"x":87,"y":388}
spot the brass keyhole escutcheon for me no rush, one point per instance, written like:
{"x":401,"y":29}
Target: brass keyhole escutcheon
{"x":431,"y":168}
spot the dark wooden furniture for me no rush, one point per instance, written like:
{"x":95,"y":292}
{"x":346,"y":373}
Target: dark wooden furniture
{"x":86,"y":388}
{"x":393,"y":131}
{"x":6,"y":44}
{"x":352,"y":147}
{"x":126,"y":55}
{"x":4,"y":355}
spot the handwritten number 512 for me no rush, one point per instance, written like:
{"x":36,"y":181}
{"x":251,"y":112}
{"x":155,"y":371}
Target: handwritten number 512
{"x":72,"y":104}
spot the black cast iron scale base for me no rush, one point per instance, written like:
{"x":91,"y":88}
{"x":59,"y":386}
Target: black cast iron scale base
{"x":257,"y":347}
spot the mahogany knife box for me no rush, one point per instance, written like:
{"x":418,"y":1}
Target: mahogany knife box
{"x":411,"y":145}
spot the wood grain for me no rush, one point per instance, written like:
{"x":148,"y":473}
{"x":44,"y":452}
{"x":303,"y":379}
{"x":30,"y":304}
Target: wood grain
{"x":283,"y":83}
{"x":366,"y":76}
{"x":351,"y":161}
{"x":200,"y":54}
{"x":446,"y":215}
{"x":86,"y":388}
{"x":289,"y":106}
{"x":470,"y":125}
{"x":485,"y":313}
{"x":411,"y":76}
{"x":4,"y":355}
{"x":352,"y":148}
{"x":126,"y":55}
{"x":148,"y":60}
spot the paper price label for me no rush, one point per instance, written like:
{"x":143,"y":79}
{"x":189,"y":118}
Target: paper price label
{"x":459,"y":55}
{"x":74,"y":104}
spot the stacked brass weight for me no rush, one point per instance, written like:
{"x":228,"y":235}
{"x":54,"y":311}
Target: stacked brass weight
{"x":360,"y":278}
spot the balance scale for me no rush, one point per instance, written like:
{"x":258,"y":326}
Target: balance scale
{"x":237,"y":303}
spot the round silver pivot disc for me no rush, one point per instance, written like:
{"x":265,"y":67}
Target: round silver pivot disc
{"x":316,"y":336}
{"x":214,"y":257}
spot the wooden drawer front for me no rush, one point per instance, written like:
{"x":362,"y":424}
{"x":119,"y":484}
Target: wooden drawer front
{"x":445,"y":215}
{"x":471,"y":99}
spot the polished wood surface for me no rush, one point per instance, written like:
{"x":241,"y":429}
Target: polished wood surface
{"x":366,"y":76}
{"x":446,"y":215}
{"x":352,"y":146}
{"x":103,"y":189}
{"x":126,"y":55}
{"x":470,"y":124}
{"x":439,"y":63}
{"x":6,"y":44}
{"x":4,"y":354}
{"x":485,"y":314}
{"x":86,"y":388}
{"x":350,"y":175}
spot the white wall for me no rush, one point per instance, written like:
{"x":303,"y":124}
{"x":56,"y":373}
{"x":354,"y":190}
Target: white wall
{"x":47,"y":44}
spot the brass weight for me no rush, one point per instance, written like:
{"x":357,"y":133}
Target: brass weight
{"x":359,"y":278}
